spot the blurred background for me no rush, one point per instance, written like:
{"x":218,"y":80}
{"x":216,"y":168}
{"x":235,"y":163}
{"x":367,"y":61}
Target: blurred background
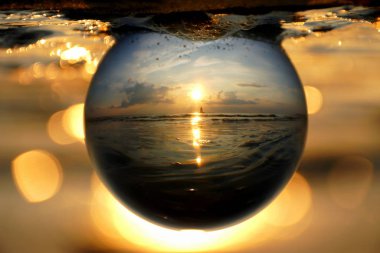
{"x":53,"y":201}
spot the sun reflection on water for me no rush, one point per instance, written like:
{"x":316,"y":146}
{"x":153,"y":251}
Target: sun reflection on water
{"x":195,"y":122}
{"x":199,"y":160}
{"x":196,"y":134}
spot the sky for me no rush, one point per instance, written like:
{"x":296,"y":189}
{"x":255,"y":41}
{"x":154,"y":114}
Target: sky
{"x":152,"y":73}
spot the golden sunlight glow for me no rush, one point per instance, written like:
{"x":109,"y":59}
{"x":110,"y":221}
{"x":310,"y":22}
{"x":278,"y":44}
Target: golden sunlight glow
{"x":314,"y":99}
{"x":196,"y":94}
{"x":148,"y":235}
{"x":73,"y":121}
{"x":292,"y":205}
{"x":116,"y":223}
{"x":56,"y":130}
{"x":75,"y":54}
{"x":37,"y":174}
{"x":349,"y":181}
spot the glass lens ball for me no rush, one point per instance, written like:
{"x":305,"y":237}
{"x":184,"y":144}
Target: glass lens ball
{"x":195,"y":134}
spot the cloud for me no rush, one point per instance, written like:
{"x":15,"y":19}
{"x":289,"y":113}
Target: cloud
{"x":254,"y":85}
{"x":161,"y":64}
{"x":230,"y":98}
{"x":204,"y":61}
{"x":143,"y":93}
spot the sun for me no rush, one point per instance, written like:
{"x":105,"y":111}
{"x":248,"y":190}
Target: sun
{"x":196,"y":94}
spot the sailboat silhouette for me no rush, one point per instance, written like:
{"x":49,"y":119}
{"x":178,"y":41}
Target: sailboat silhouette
{"x":201,"y":110}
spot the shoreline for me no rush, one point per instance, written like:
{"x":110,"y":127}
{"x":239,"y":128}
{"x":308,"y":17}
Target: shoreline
{"x":88,"y":8}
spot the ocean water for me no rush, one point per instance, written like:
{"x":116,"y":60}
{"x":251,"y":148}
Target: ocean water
{"x":200,"y":169}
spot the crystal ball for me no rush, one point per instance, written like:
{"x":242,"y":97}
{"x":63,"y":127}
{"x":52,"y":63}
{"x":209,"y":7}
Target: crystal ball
{"x":195,"y":134}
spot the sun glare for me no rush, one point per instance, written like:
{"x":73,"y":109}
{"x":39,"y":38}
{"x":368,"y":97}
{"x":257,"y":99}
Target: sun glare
{"x":199,"y":160}
{"x":196,"y":94}
{"x":76,"y":54}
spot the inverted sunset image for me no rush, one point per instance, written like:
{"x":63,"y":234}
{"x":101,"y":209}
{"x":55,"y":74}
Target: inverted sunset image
{"x":226,"y":129}
{"x":195,"y":134}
